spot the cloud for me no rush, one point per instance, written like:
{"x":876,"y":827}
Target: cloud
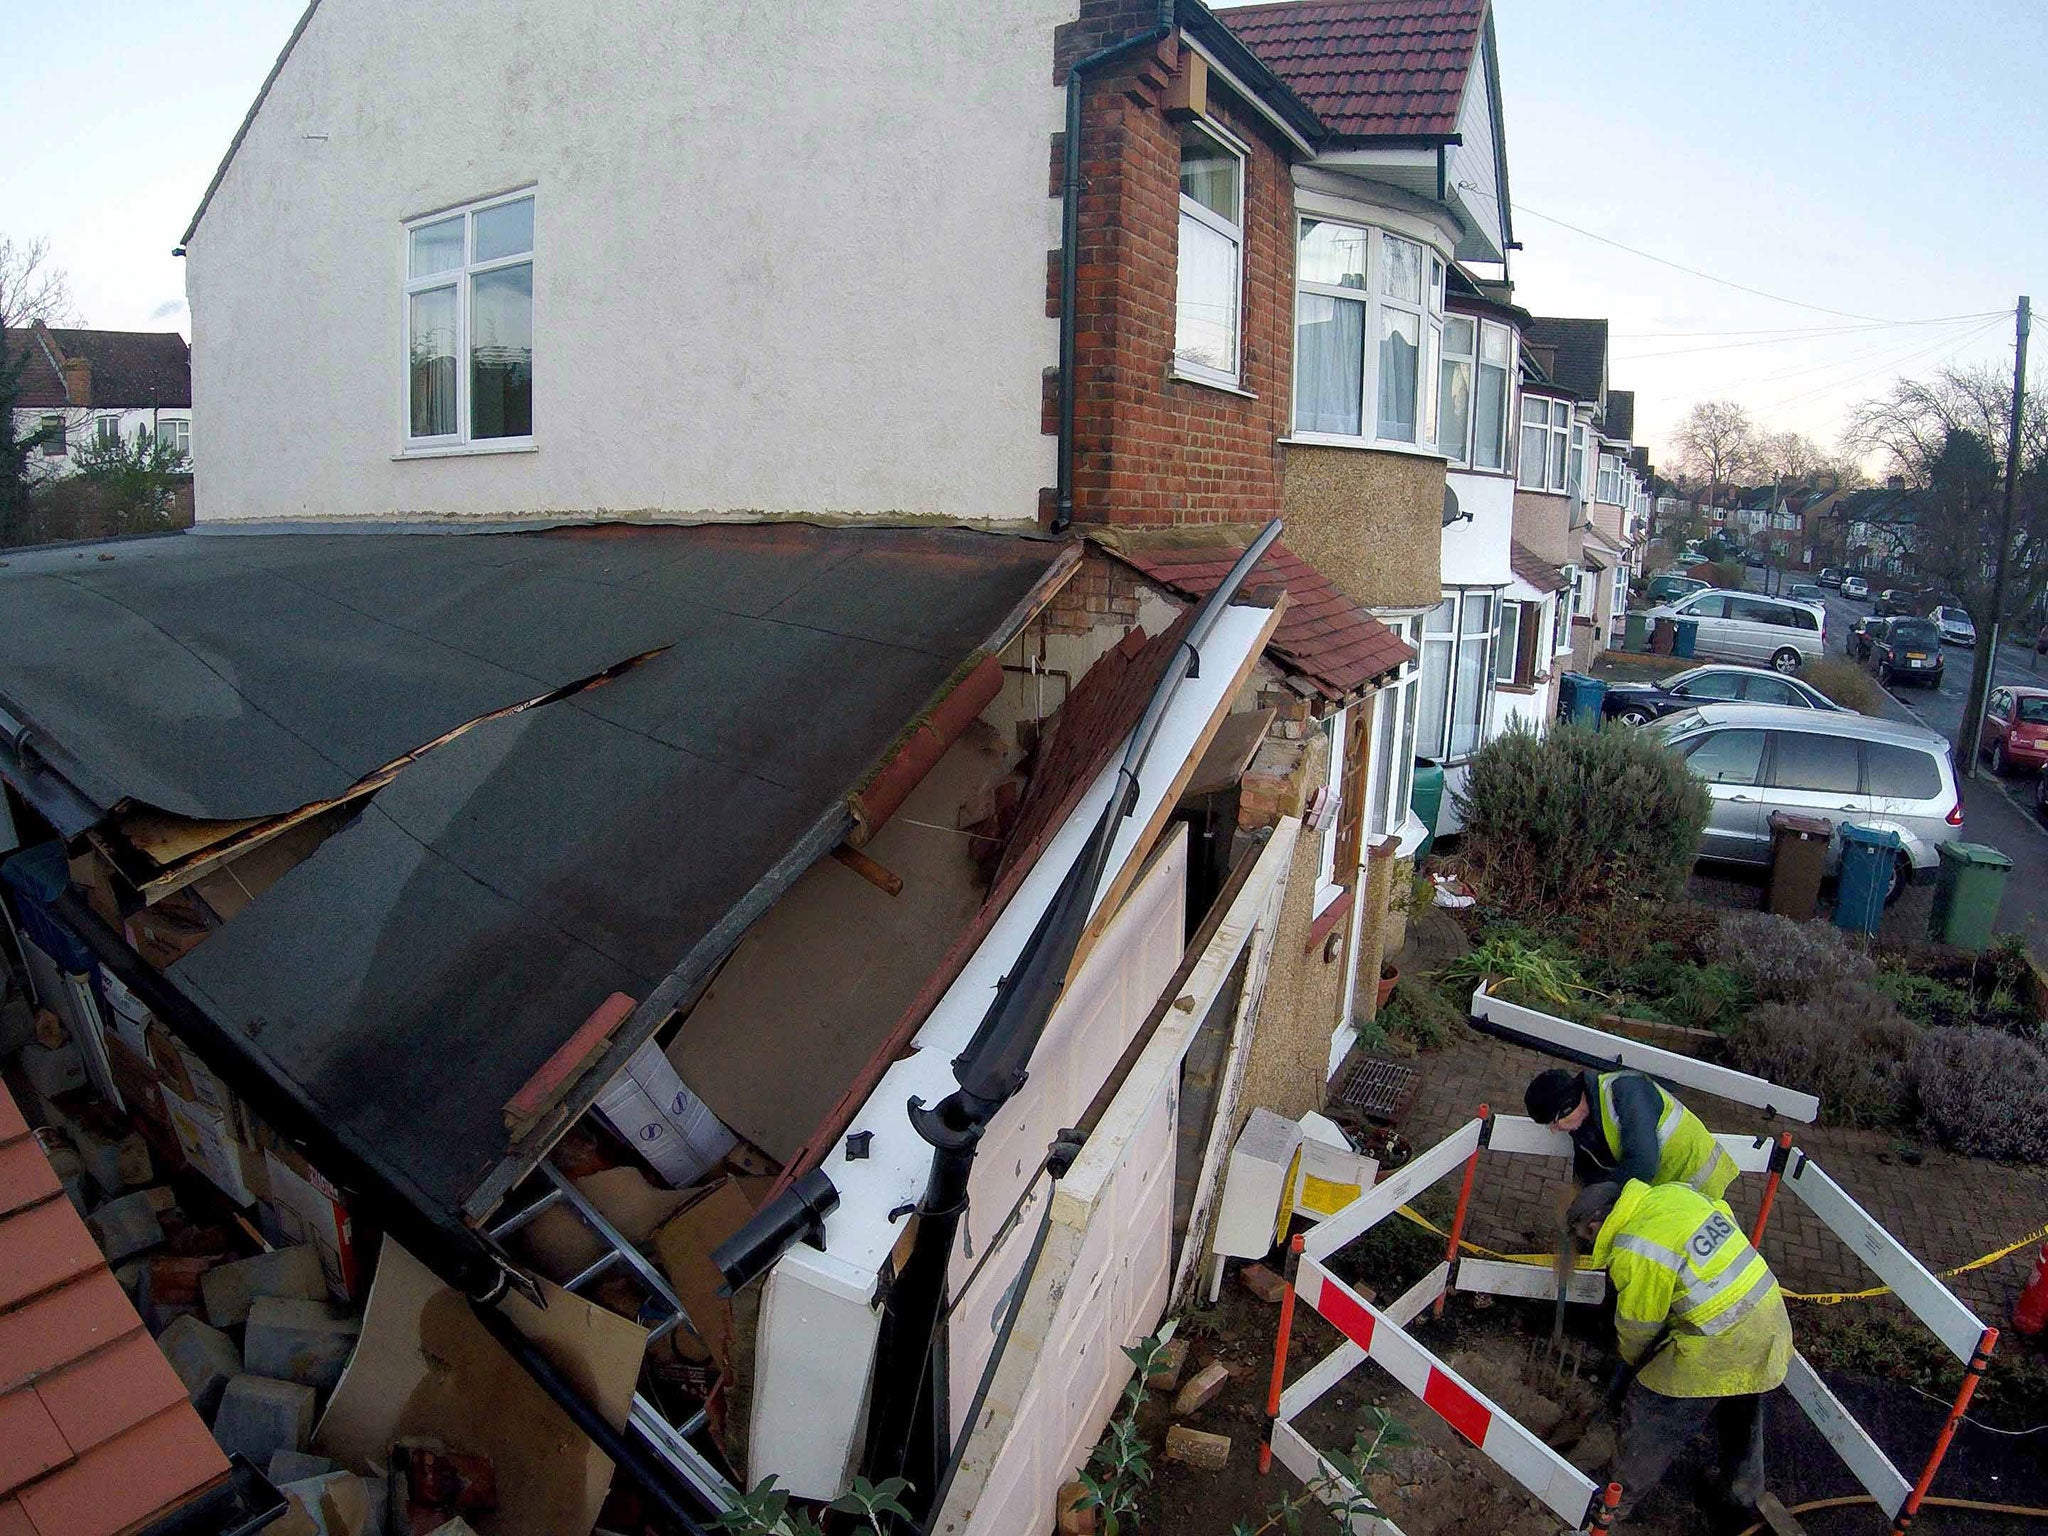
{"x":168,"y":310}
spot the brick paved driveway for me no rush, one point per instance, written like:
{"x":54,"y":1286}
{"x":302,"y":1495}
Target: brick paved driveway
{"x":1947,"y":1210}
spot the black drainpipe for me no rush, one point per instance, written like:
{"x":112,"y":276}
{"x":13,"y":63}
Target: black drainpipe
{"x":908,"y":1433}
{"x":1070,"y":240}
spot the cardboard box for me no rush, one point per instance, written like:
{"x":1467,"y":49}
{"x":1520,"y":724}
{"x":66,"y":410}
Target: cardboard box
{"x":208,"y":1140}
{"x":310,"y":1210}
{"x":666,"y":1123}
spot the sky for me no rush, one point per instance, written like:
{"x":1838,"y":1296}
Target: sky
{"x":1876,"y":161}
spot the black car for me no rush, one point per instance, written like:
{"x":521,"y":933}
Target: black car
{"x":1866,"y":629}
{"x":1896,"y":602}
{"x":1909,"y":650}
{"x":1640,"y":703}
{"x":1830,"y":576}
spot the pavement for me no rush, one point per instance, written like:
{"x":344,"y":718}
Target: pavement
{"x":2000,"y":812}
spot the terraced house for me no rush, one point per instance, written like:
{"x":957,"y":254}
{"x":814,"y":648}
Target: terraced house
{"x":748,"y":523}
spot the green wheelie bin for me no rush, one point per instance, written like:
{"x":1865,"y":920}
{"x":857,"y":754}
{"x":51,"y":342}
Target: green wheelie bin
{"x":1966,"y":894}
{"x":1427,"y":801}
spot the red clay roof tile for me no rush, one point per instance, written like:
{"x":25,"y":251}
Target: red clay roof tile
{"x":14,"y":1519}
{"x":1533,"y":568}
{"x":30,"y":1441}
{"x":11,"y":1123}
{"x":109,"y":1392}
{"x":42,"y":1247}
{"x":1370,"y":68}
{"x":61,"y":1325}
{"x":26,"y":1177}
{"x":129,"y":1479}
{"x":1323,"y":636}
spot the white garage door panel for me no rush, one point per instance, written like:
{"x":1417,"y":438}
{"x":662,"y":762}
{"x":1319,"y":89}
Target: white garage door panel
{"x":1096,"y":1018}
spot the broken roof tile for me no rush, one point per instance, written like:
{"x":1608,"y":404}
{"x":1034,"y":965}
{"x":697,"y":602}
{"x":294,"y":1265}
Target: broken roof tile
{"x":1323,"y":635}
{"x":1370,"y":69}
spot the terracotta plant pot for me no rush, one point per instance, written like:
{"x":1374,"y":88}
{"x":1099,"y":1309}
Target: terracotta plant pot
{"x":1389,"y":976}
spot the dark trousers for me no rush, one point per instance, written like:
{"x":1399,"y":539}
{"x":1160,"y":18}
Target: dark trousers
{"x":1655,"y":1428}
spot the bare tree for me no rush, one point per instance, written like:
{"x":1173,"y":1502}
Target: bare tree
{"x":1791,"y":457}
{"x":32,"y":288}
{"x":1909,"y":427}
{"x":1717,"y":443}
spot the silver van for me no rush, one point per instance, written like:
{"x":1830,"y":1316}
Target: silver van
{"x":1756,"y":759}
{"x":1777,"y":632}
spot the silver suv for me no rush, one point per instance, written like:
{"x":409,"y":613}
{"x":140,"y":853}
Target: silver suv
{"x":1756,"y":759}
{"x":1746,"y":626}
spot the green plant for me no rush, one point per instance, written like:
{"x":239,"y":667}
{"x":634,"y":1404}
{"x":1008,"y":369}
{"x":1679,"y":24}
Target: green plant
{"x":1121,"y":1452}
{"x":1536,"y":975}
{"x":1788,"y":962}
{"x":1881,"y":1338}
{"x":135,"y":477}
{"x":764,"y":1509}
{"x":1346,"y":1482}
{"x":1418,"y":1017}
{"x":1849,"y":1045}
{"x":1984,"y":1092}
{"x":1928,"y":1001}
{"x":1579,"y":819}
{"x":1846,"y":683}
{"x":1663,"y":983}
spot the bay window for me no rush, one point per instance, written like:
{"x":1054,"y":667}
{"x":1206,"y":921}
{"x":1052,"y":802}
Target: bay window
{"x":1368,"y":328}
{"x":1210,"y":281}
{"x":1392,"y":773}
{"x":1575,"y":475}
{"x":1546,"y":436}
{"x":1472,"y":392}
{"x":1457,"y":682}
{"x":469,"y":325}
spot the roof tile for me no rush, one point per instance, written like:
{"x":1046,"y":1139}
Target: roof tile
{"x":1370,"y":68}
{"x":111,"y":1391}
{"x":42,"y":1247}
{"x":127,"y":1480}
{"x":61,"y":1325}
{"x":1532,"y":568}
{"x":26,"y":1178}
{"x":30,"y":1441}
{"x":14,"y":1519}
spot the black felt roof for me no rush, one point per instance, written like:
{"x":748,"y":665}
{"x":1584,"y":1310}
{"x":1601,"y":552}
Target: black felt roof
{"x":408,"y":977}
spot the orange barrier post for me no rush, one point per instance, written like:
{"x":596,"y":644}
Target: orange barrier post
{"x":1280,"y":1354}
{"x":1603,"y":1512}
{"x":1763,"y":1213}
{"x":1458,"y":1221}
{"x":1979,"y":1362}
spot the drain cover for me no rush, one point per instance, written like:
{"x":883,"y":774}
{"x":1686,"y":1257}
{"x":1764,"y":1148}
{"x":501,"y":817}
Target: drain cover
{"x":1375,"y":1088}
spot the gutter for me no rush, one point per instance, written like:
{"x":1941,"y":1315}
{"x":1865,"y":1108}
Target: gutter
{"x":908,"y":1433}
{"x":1070,"y":240}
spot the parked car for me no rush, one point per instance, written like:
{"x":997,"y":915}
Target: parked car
{"x":1806,"y":592}
{"x":1895,"y":602}
{"x":1830,"y":576}
{"x":1856,"y":587}
{"x":2015,"y":734}
{"x":1669,"y":589}
{"x":1640,"y":703}
{"x":1745,"y":627}
{"x":1908,"y":649}
{"x":1861,"y":634}
{"x":1838,"y":766}
{"x":1754,"y":560}
{"x":1955,"y":626}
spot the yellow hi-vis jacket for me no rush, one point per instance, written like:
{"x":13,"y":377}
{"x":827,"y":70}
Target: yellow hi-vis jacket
{"x":1686,"y":1150}
{"x":1680,"y":1265}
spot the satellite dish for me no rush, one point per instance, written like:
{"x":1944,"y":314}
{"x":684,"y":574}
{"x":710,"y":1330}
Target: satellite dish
{"x":1452,"y":511}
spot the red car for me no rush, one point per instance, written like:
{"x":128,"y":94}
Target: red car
{"x":2016,"y":729}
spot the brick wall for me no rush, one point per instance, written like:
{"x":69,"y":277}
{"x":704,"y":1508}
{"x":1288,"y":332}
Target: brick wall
{"x":1150,"y":448}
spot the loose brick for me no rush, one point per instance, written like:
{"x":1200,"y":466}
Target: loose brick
{"x":1262,"y":1283}
{"x":1075,"y":1518}
{"x":1197,"y":1448}
{"x":229,"y":1289}
{"x":298,"y":1340}
{"x":1202,"y":1389}
{"x":1173,"y":1359}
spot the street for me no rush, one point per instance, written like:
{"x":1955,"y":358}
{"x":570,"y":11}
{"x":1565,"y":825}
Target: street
{"x":1999,"y":812}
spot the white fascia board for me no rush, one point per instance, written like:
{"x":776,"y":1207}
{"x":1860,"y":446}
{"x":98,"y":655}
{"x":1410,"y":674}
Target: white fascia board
{"x":1245,"y":92}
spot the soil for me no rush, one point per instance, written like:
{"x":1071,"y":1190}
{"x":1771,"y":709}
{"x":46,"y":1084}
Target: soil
{"x":1435,"y":1484}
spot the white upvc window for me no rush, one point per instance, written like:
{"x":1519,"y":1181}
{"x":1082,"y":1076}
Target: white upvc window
{"x":1368,"y":328}
{"x":469,"y":326}
{"x":1332,"y":882}
{"x":1507,"y":643}
{"x":107,"y":431}
{"x":1546,"y":444}
{"x":54,"y":444}
{"x":1609,"y":487}
{"x":1209,"y":292}
{"x":1391,"y":780}
{"x":175,"y":433}
{"x":1566,"y":604}
{"x":1457,"y":681}
{"x":1575,"y":474}
{"x":1454,"y":388}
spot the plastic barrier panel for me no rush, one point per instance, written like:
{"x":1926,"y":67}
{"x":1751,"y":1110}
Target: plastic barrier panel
{"x":1519,"y":1134}
{"x":1393,"y":1192}
{"x":1494,"y":1278}
{"x":1874,"y":1470}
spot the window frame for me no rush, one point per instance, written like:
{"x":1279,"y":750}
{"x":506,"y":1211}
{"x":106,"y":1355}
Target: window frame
{"x":1465,"y":452}
{"x":1553,"y":467}
{"x":1428,"y":312}
{"x":1390,"y":774}
{"x":59,"y":446}
{"x":462,"y":278}
{"x":1184,"y":367}
{"x":106,"y":431}
{"x":1453,"y":642}
{"x":180,"y":430}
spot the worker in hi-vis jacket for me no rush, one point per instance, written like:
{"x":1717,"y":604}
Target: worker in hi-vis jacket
{"x":1700,"y":1325}
{"x":1623,"y":1126}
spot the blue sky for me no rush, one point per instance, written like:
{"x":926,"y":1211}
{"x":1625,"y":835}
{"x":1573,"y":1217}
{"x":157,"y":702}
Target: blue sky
{"x":1881,"y":158}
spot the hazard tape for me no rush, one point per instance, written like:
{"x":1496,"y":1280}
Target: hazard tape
{"x":1817,"y":1298}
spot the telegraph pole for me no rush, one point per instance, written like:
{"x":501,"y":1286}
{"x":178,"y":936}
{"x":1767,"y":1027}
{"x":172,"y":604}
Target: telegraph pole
{"x":1981,"y":666}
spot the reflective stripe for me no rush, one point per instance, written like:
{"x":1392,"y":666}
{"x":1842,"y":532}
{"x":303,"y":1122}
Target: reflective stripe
{"x":1701,"y":1289}
{"x":1673,"y":1113}
{"x":1656,"y":1253}
{"x":1721,"y":1322}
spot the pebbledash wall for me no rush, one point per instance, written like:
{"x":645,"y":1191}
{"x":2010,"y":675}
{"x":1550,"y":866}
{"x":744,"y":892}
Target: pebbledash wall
{"x":787,"y":258}
{"x":1151,"y":447}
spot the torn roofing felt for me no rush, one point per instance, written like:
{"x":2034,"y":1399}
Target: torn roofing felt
{"x":416,"y":970}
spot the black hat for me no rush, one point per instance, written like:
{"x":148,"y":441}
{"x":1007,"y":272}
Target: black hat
{"x":1553,"y":1093}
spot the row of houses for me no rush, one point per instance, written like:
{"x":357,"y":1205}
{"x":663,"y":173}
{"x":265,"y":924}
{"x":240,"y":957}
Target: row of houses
{"x":78,"y":386}
{"x":743,"y":525}
{"x":1869,"y":529}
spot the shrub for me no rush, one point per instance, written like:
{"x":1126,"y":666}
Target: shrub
{"x":1679,"y":992}
{"x":1984,"y":1092}
{"x":1846,"y":683}
{"x":1579,"y":818}
{"x":1418,"y":1017}
{"x":1928,"y":1000}
{"x":1535,"y":975}
{"x":1785,"y":961}
{"x":1847,"y":1044}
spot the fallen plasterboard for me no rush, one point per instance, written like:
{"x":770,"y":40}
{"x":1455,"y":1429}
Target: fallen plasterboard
{"x":426,"y":1367}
